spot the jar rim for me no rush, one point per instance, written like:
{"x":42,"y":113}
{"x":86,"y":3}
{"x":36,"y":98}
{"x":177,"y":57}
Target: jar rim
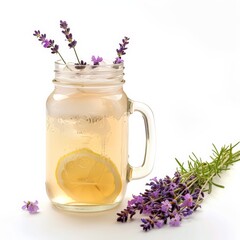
{"x":76,"y":65}
{"x":88,"y":75}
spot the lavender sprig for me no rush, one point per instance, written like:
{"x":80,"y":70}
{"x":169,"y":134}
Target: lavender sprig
{"x":121,"y":50}
{"x":48,"y":43}
{"x":169,"y":200}
{"x":69,"y":37}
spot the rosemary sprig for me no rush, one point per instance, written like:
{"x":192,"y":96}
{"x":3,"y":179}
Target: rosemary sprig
{"x":204,"y":172}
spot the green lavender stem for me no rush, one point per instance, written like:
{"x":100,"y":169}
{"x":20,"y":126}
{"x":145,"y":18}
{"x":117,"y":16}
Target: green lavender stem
{"x":76,"y":55}
{"x":62,"y":58}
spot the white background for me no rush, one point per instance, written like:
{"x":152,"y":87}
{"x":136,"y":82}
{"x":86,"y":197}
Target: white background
{"x":183,"y":61}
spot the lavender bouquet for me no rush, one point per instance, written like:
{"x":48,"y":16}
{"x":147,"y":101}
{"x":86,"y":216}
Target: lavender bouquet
{"x":171,"y":199}
{"x":80,"y":64}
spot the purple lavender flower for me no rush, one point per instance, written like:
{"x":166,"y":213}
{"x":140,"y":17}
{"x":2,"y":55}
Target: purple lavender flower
{"x":135,"y":200}
{"x":154,"y":180}
{"x":68,"y":35}
{"x":186,"y":212}
{"x":147,"y":224}
{"x":63,"y":24}
{"x":55,"y":49}
{"x":151,"y":222}
{"x":159,"y":223}
{"x":72,"y":44}
{"x":118,"y":60}
{"x":31,"y":207}
{"x":188,"y":200}
{"x":123,"y":215}
{"x":175,"y":221}
{"x":47,"y":43}
{"x":166,"y":206}
{"x":42,"y":37}
{"x":147,"y":209}
{"x":155,"y":194}
{"x":96,"y":60}
{"x":121,"y":50}
{"x":36,"y":33}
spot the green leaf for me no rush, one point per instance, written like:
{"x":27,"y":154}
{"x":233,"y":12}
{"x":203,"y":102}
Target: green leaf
{"x":209,"y":187}
{"x":181,"y":165}
{"x":217,"y":185}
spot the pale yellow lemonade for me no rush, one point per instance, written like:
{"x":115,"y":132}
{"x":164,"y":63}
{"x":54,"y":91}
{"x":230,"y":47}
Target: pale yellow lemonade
{"x":87,"y":146}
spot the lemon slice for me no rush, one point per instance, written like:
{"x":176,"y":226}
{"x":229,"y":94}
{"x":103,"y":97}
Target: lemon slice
{"x":88,"y":177}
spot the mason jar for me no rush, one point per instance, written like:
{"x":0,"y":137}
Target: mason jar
{"x":87,"y":162}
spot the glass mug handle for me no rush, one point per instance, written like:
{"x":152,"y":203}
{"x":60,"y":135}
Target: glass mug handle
{"x":149,"y":156}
